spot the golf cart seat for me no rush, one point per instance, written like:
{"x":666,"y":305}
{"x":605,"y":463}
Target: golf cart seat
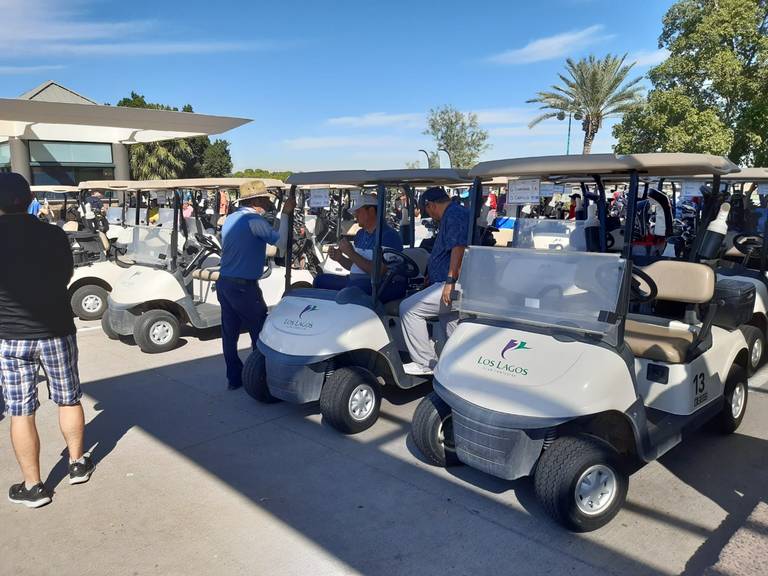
{"x":123,"y":261}
{"x":104,"y":241}
{"x":676,"y":281}
{"x":420,"y":256}
{"x":207,"y":274}
{"x":70,"y":226}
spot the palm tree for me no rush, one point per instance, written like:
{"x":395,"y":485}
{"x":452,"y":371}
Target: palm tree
{"x":593,"y":90}
{"x":160,"y":160}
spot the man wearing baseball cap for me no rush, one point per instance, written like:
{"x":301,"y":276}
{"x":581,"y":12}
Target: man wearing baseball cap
{"x":37,"y":329}
{"x":442,"y":273}
{"x":358,"y":258}
{"x":245,"y":235}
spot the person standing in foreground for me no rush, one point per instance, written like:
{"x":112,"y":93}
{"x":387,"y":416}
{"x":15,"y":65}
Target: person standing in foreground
{"x":245,"y":236}
{"x":37,"y":328}
{"x":442,"y":273}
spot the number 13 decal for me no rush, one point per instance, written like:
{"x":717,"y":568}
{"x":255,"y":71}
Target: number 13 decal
{"x":699,"y":383}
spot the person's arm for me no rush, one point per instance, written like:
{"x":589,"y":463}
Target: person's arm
{"x":349,"y":252}
{"x":454,"y":269}
{"x":336,"y":254}
{"x":261,"y":228}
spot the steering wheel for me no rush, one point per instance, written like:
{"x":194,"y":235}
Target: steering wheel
{"x":207,"y":243}
{"x":747,"y":244}
{"x":637,"y":294}
{"x":400,"y":264}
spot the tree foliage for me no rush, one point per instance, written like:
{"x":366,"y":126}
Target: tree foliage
{"x":458,"y":133}
{"x":217,"y":161}
{"x":718,"y":60}
{"x":261,"y":173}
{"x":594,"y":89}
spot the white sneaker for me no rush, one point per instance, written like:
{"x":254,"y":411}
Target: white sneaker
{"x":415,"y":369}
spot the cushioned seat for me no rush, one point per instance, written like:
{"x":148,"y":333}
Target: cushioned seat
{"x":207,"y":274}
{"x":124,"y":261}
{"x":656,"y":342}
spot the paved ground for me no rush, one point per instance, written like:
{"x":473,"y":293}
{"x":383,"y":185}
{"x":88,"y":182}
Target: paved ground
{"x":193,"y":479}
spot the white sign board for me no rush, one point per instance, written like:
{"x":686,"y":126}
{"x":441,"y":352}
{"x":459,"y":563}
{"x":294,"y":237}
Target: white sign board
{"x":320,"y":198}
{"x":548,"y":189}
{"x":691,"y":188}
{"x":523,"y":191}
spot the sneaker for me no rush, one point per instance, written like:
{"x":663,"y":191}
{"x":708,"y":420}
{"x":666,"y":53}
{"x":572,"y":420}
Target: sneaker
{"x":35,"y":497}
{"x":415,"y":369}
{"x":80,"y":472}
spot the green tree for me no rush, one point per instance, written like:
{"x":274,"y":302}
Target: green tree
{"x":670,"y":122}
{"x":718,"y":59}
{"x":594,"y":89}
{"x":261,"y":173}
{"x":458,"y":133}
{"x":217,"y":161}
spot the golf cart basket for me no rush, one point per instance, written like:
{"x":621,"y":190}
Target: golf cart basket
{"x":86,"y":247}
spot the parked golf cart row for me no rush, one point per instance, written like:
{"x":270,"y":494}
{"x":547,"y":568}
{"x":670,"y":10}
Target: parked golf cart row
{"x":564,"y":365}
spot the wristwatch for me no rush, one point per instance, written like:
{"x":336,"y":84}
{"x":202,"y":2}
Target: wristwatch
{"x":450,"y":280}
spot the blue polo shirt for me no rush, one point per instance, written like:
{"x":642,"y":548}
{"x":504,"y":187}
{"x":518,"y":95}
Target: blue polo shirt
{"x":245,"y":236}
{"x":453,"y":231}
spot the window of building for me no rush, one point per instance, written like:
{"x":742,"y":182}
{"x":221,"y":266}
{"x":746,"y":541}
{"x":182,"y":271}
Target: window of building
{"x":5,"y":156}
{"x":69,"y":163}
{"x":69,"y":175}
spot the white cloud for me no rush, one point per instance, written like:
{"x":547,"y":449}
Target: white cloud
{"x":643,"y":58}
{"x":378,"y":119}
{"x":503,"y":115}
{"x":14,"y":70}
{"x":551,"y":47}
{"x":68,"y":28}
{"x":351,"y":142}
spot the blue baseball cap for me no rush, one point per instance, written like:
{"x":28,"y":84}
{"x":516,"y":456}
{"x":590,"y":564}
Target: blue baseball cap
{"x":434,"y":194}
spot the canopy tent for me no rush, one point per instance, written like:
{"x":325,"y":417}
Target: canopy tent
{"x":59,"y":121}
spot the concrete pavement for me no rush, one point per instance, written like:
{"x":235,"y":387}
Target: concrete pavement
{"x":193,"y":479}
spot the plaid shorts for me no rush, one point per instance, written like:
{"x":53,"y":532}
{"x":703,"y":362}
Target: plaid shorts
{"x":19,"y":364}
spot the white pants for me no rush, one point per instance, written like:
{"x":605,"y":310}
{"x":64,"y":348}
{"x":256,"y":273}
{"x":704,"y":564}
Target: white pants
{"x":414,"y":312}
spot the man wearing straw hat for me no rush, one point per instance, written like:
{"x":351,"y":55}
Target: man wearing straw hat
{"x":245,"y":236}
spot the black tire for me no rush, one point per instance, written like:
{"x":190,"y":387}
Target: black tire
{"x":432,"y":431}
{"x":736,"y":384}
{"x":89,"y":302}
{"x":255,"y":378}
{"x":557,"y":476}
{"x":300,"y":284}
{"x":336,"y":402}
{"x":107,"y":328}
{"x":756,"y":347}
{"x":148,"y":322}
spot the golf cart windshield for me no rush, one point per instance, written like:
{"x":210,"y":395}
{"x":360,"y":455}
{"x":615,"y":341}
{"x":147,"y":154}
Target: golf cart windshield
{"x":151,"y":245}
{"x":570,"y":291}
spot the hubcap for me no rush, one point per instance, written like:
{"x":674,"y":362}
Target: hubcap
{"x":161,"y":332}
{"x":361,"y":402}
{"x":446,"y":431}
{"x":91,"y":303}
{"x":595,"y":490}
{"x":737,"y":400}
{"x":757,"y":353}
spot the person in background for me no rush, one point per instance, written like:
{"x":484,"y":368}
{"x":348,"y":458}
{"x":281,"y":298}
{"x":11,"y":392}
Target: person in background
{"x":36,"y":329}
{"x":358,"y":258}
{"x":245,"y":235}
{"x":96,"y":201}
{"x":492,"y":203}
{"x":186,"y":209}
{"x":442,"y":273}
{"x":153,"y":214}
{"x":405,"y":218}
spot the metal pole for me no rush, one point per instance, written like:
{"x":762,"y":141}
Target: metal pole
{"x":381,"y":190}
{"x":629,"y":222}
{"x":450,"y":160}
{"x":475,"y":203}
{"x":411,"y":196}
{"x":288,"y":259}
{"x":425,"y":154}
{"x":175,"y":230}
{"x":568,"y":145}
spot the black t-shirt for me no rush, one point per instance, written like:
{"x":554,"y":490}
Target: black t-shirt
{"x":36,"y":269}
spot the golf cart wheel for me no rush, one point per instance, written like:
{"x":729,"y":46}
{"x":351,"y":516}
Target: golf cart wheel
{"x":580,"y":482}
{"x":89,"y":302}
{"x":300,"y":284}
{"x":157,"y":331}
{"x":107,"y":328}
{"x":756,"y":346}
{"x":735,"y":405}
{"x":350,"y":399}
{"x":255,"y":378}
{"x":432,"y":431}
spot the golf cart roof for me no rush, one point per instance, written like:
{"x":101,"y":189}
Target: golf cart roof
{"x":654,"y":164}
{"x":745,"y":175}
{"x":362,"y":177}
{"x":181,"y":183}
{"x":55,"y":188}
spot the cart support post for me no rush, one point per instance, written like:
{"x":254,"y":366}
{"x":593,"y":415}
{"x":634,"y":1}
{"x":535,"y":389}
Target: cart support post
{"x":288,"y":259}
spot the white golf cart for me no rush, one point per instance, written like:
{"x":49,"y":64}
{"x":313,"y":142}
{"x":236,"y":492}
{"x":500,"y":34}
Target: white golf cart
{"x":562,"y":368}
{"x":173,"y":280}
{"x":341,"y":347}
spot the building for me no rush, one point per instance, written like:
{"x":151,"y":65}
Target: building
{"x":53,"y":135}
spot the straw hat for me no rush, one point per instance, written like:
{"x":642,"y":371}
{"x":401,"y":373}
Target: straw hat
{"x":254,"y":189}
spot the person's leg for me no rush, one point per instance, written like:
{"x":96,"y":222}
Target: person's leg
{"x":18,"y":374}
{"x":254,"y":310}
{"x":230,"y":330}
{"x":59,"y":357}
{"x":413,"y":314}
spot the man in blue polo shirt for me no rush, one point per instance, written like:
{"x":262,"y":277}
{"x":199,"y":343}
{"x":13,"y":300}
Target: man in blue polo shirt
{"x":358,"y":258}
{"x":442,"y":272}
{"x":245,"y":236}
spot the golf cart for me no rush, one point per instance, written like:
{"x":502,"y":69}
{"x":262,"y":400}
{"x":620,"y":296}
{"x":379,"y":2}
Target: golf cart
{"x":563,"y":367}
{"x":173,"y":280}
{"x":341,"y":347}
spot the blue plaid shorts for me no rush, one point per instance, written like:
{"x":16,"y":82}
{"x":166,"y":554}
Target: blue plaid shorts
{"x":19,"y":364}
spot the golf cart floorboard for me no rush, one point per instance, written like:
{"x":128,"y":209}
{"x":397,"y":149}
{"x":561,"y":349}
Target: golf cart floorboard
{"x":666,"y":430}
{"x":210,"y":314}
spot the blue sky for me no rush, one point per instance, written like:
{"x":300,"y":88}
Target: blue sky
{"x":328,"y":84}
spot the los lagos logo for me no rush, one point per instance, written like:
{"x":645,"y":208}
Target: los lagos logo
{"x":514,"y":345}
{"x":301,"y":323}
{"x":309,"y":308}
{"x":501,"y":365}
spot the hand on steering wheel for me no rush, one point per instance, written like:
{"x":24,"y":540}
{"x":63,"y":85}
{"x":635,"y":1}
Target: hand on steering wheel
{"x":637,"y":294}
{"x":400,"y":264}
{"x":748,"y":244}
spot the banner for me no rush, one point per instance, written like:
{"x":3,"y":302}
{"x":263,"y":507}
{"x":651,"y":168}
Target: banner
{"x":523,"y":191}
{"x":691,"y":188}
{"x":320,"y":198}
